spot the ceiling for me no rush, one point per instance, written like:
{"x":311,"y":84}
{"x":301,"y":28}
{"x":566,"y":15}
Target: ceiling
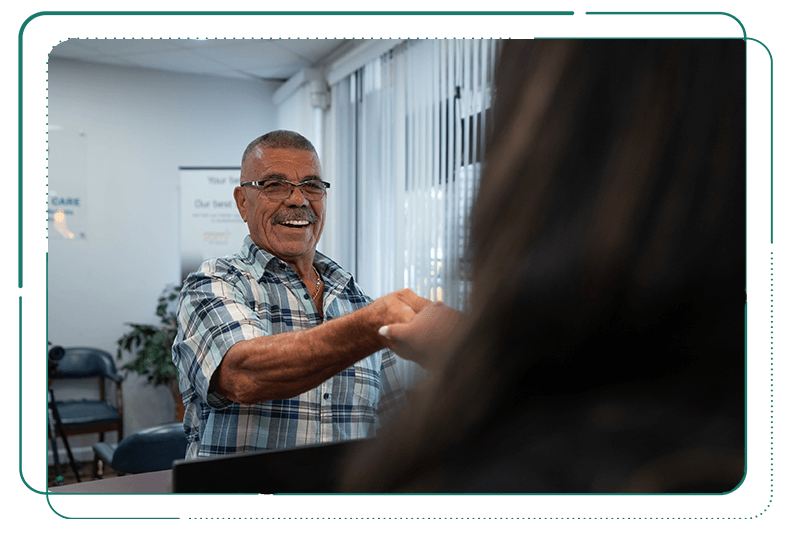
{"x":275,"y":59}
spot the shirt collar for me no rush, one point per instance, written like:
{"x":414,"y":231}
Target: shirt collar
{"x":328,"y":269}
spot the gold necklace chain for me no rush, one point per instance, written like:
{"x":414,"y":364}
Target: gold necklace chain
{"x":319,"y":280}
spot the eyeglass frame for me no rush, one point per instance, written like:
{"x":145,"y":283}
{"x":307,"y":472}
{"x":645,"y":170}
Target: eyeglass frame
{"x":326,"y":187}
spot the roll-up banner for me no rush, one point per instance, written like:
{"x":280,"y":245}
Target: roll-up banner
{"x":210,"y":224}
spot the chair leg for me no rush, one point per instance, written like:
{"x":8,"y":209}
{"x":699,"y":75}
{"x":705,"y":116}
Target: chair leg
{"x":60,"y":430}
{"x":97,"y":467}
{"x":72,"y":462}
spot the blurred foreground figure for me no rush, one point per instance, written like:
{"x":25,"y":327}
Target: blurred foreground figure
{"x":604,"y":350}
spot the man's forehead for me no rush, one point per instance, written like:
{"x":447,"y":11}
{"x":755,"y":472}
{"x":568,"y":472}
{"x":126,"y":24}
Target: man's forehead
{"x":280,"y":154}
{"x":262,"y":159}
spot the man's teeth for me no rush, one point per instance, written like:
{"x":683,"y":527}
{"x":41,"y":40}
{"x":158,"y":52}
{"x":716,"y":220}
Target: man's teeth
{"x":296,"y":223}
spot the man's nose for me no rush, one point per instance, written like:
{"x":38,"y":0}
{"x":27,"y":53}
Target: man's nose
{"x":296,"y":197}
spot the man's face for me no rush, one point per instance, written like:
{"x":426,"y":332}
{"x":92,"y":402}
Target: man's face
{"x":288,"y":229}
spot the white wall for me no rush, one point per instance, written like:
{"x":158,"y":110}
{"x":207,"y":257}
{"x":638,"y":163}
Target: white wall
{"x":140,"y":126}
{"x":295,"y":113}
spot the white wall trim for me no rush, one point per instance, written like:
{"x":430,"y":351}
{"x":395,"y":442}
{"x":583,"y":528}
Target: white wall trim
{"x":298,"y":80}
{"x":355,"y":58}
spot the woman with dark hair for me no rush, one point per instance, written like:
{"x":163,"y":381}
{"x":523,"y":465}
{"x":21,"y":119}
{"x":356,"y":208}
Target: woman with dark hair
{"x":604,"y":349}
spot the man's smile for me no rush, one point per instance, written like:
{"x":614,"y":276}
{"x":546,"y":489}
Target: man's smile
{"x":297,"y":223}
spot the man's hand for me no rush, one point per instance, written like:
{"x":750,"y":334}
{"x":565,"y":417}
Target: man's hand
{"x":413,"y":300}
{"x":397,"y":307}
{"x":421,"y":337}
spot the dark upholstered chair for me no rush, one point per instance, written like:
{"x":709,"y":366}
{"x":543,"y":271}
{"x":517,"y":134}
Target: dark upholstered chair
{"x":84,"y":416}
{"x":146,"y":450}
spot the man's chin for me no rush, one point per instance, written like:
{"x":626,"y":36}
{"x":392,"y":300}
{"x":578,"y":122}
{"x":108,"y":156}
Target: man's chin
{"x":292,"y":251}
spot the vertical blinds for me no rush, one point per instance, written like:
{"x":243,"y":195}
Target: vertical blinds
{"x":421,"y":114}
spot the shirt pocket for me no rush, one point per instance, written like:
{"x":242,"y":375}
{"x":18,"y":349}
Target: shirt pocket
{"x":368,"y":380}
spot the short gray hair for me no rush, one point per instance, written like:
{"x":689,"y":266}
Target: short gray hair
{"x":280,"y":139}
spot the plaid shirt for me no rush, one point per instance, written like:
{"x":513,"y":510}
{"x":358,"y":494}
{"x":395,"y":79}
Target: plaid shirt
{"x":252,"y":294}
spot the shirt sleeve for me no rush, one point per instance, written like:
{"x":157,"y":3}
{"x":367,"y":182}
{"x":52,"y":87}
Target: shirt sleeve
{"x":214,"y":313}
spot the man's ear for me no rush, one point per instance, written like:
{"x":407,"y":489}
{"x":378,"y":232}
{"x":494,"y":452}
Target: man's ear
{"x":241,"y":201}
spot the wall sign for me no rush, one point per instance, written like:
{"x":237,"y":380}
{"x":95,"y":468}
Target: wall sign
{"x":66,"y":184}
{"x":210,"y":224}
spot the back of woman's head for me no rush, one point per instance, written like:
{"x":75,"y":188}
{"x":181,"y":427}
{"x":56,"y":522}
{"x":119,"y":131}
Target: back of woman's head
{"x":612,"y":207}
{"x":608,"y":245}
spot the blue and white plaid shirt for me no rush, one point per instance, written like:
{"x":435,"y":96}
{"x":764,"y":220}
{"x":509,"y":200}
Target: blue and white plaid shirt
{"x":252,"y":294}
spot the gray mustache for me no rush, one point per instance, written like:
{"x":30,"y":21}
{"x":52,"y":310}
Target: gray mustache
{"x":294,"y":214}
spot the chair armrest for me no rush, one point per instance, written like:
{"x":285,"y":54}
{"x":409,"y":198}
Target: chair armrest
{"x":114,"y":377}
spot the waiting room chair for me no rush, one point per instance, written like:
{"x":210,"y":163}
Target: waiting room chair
{"x":90,"y":416}
{"x":146,"y":450}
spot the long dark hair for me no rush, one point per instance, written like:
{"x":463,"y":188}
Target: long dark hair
{"x":609,"y":282}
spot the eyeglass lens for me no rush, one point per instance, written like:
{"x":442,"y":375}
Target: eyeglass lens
{"x":278,"y":190}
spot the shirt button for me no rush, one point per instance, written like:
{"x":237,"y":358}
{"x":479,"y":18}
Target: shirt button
{"x":307,"y":296}
{"x":326,"y":395}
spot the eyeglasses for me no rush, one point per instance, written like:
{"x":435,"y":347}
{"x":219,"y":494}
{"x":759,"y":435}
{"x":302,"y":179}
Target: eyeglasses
{"x":278,"y":190}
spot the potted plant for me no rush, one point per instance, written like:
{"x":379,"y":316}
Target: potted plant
{"x":152,"y":346}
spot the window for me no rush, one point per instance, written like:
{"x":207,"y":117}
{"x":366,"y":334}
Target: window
{"x":417,"y":120}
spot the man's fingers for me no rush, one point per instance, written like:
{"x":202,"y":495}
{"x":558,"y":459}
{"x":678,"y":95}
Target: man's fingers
{"x":413,"y":300}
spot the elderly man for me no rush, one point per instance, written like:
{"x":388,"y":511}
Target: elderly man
{"x":277,"y":346}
